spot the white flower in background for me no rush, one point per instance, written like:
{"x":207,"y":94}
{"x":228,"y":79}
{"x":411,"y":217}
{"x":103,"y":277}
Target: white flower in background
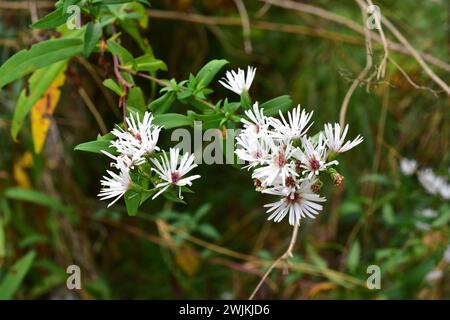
{"x":173,"y":173}
{"x":257,"y":122}
{"x":428,"y":213}
{"x":335,"y":138}
{"x":434,"y":275}
{"x":299,"y":204}
{"x":238,"y":82}
{"x":279,"y":165}
{"x":408,"y":166}
{"x":431,"y":182}
{"x":251,"y":149}
{"x":116,"y":185}
{"x":445,"y":191}
{"x":295,"y":128}
{"x":422,"y":226}
{"x":312,"y":158}
{"x":447,"y":254}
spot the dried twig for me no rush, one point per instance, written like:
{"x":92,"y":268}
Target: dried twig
{"x":362,"y":75}
{"x":245,"y":25}
{"x":322,"y":13}
{"x":91,"y":106}
{"x":284,"y":257}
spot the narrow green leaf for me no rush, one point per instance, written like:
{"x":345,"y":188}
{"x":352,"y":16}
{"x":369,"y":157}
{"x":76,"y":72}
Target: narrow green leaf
{"x":36,"y":197}
{"x":120,"y":51}
{"x":136,"y":100}
{"x":208,"y":72}
{"x":38,"y":56}
{"x":146,"y":63}
{"x":163,"y":103}
{"x":353,"y":256}
{"x":132,"y":201}
{"x":114,"y":86}
{"x":52,"y":20}
{"x":91,"y":37}
{"x":15,"y":276}
{"x":281,"y":103}
{"x":173,"y":120}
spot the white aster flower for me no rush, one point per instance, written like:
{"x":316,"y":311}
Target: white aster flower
{"x":313,"y":157}
{"x":173,"y":173}
{"x":116,"y":185}
{"x":295,"y":128}
{"x":138,"y":140}
{"x":257,"y":122}
{"x":252,"y":149}
{"x":335,"y":138}
{"x":431,"y":182}
{"x":408,"y":166}
{"x":238,"y":82}
{"x":277,"y":166}
{"x":300,"y":203}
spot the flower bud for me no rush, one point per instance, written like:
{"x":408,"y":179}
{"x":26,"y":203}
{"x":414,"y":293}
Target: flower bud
{"x":317,"y":186}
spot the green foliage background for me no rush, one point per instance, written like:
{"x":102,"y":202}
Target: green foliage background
{"x":219,"y":244}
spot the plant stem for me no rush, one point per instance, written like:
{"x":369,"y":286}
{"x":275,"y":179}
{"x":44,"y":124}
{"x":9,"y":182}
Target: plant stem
{"x":284,"y":257}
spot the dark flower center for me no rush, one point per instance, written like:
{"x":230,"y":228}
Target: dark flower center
{"x":138,"y":137}
{"x":175,"y":177}
{"x":290,"y":182}
{"x":314,"y":164}
{"x":294,"y":198}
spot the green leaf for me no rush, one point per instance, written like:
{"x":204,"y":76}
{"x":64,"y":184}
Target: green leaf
{"x":118,"y":50}
{"x":36,"y":197}
{"x":146,"y":63}
{"x":96,"y":146}
{"x":209,"y":231}
{"x":169,"y":195}
{"x":38,"y":56}
{"x":114,"y":86}
{"x":208,"y":72}
{"x":136,"y":100}
{"x":132,"y":201}
{"x":172,"y":120}
{"x":38,"y":84}
{"x":52,"y":20}
{"x":281,"y":103}
{"x":15,"y":276}
{"x":353,"y":256}
{"x":68,"y":3}
{"x":163,"y":103}
{"x":91,"y":37}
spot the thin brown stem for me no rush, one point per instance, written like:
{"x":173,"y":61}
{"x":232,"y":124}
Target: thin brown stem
{"x":284,"y":257}
{"x":362,"y":75}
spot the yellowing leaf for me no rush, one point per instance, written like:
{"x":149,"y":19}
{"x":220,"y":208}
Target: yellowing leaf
{"x":43,"y":109}
{"x":20,"y":175}
{"x":187,"y":259}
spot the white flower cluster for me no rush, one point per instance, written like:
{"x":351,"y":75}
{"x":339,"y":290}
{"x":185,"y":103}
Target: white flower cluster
{"x":135,"y":145}
{"x":432,"y":183}
{"x":287,"y":163}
